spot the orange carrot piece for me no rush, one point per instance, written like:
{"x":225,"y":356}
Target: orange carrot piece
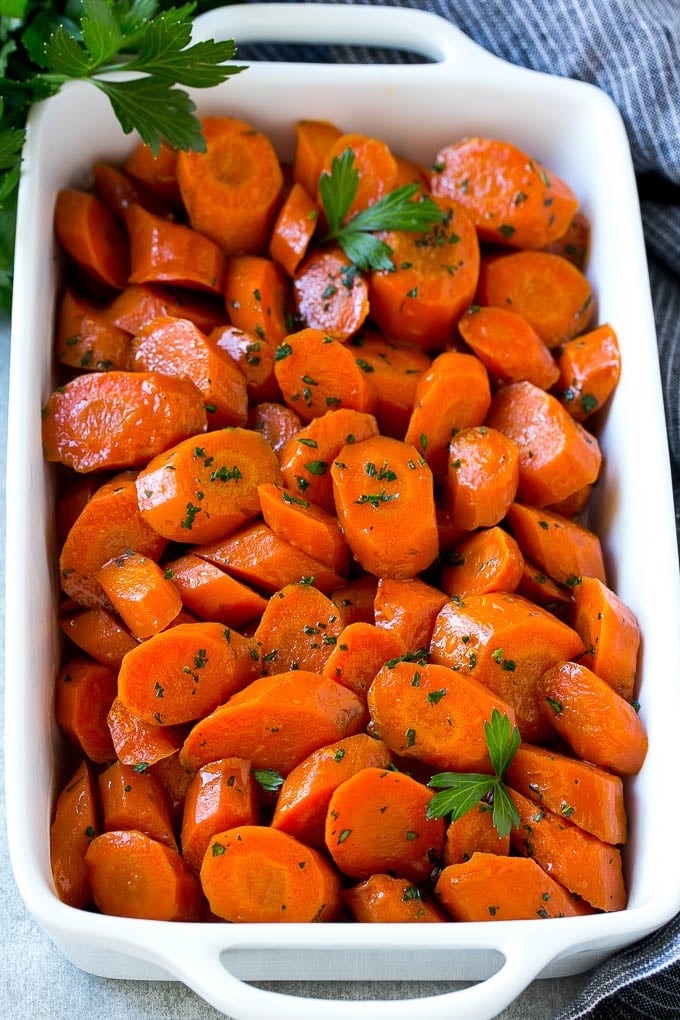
{"x":474,"y":832}
{"x":157,"y":173}
{"x":377,"y":822}
{"x":305,"y":526}
{"x":171,"y":253}
{"x":201,"y":491}
{"x":72,"y":499}
{"x":140,"y":593}
{"x":375,"y":165}
{"x":133,"y":875}
{"x":511,"y":198}
{"x":453,"y":394}
{"x":99,"y":634}
{"x":330,"y":294}
{"x":85,"y":340}
{"x":275,"y":422}
{"x":573,"y":504}
{"x":428,"y":712}
{"x":177,"y":347}
{"x":574,"y":244}
{"x":221,"y":795}
{"x":84,"y":692}
{"x":256,"y":295}
{"x":590,"y":367}
{"x":317,"y":373}
{"x":557,"y":456}
{"x":119,"y":190}
{"x":254,"y":356}
{"x":185,"y":672}
{"x":508,"y":346}
{"x":411,"y":172}
{"x":610,"y":631}
{"x":117,"y":420}
{"x":131,"y":799}
{"x":293,"y":229}
{"x":493,"y":887}
{"x":175,"y":781}
{"x":210,"y":593}
{"x":489,"y":560}
{"x":505,"y":642}
{"x":536,"y":586}
{"x":483,"y":475}
{"x":384,"y":499}
{"x":409,"y":608}
{"x":232,"y":191}
{"x":547,"y":290}
{"x":139,"y":743}
{"x":395,"y":372}
{"x":303,"y":799}
{"x":313,"y":141}
{"x":434,"y":281}
{"x":583,"y":864}
{"x":385,"y":899}
{"x":586,"y":795}
{"x":92,"y":237}
{"x":276,"y":722}
{"x":355,"y":600}
{"x":566,"y":551}
{"x":284,"y":881}
{"x":598,"y":724}
{"x":138,"y":304}
{"x":75,"y":824}
{"x":360,"y":651}
{"x":298,"y":629}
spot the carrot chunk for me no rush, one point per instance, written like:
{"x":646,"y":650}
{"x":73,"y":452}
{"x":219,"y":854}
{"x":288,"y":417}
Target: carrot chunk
{"x":221,"y":795}
{"x":385,"y":899}
{"x":74,"y":826}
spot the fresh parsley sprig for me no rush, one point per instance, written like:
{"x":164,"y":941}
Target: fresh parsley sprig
{"x":397,"y":210}
{"x":460,"y":792}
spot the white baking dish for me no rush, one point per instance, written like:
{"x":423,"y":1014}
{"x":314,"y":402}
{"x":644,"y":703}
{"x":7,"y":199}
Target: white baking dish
{"x":575,"y":130}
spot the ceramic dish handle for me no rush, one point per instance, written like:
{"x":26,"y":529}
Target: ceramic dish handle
{"x":393,"y":27}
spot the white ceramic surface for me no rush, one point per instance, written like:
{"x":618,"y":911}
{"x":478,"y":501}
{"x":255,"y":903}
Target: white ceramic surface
{"x":575,"y":130}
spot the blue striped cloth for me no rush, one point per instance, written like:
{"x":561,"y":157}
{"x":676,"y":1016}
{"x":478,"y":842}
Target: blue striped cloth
{"x":630,"y":49}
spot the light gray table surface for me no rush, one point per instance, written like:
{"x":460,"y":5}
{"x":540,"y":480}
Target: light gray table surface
{"x":36,"y":980}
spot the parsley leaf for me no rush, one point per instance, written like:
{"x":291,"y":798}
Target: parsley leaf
{"x":269,"y":779}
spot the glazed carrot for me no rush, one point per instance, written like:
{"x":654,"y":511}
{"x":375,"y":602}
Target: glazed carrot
{"x":547,"y":290}
{"x":574,"y":244}
{"x":284,"y":881}
{"x":98,"y":633}
{"x":313,"y":141}
{"x":177,"y":347}
{"x":133,"y":875}
{"x":254,"y":356}
{"x":574,"y":504}
{"x":557,"y":456}
{"x":293,"y":229}
{"x":411,"y":172}
{"x":586,"y":795}
{"x":303,"y":799}
{"x":175,"y":781}
{"x":428,"y":712}
{"x":317,"y":373}
{"x":493,"y":887}
{"x":511,"y":198}
{"x":221,"y":795}
{"x":72,"y":498}
{"x":384,"y":498}
{"x":536,"y":586}
{"x":434,"y":281}
{"x":385,"y":899}
{"x":83,"y":695}
{"x":598,"y":724}
{"x":139,"y":743}
{"x":566,"y":551}
{"x":509,"y":346}
{"x":119,"y":190}
{"x":374,"y":163}
{"x":116,"y":420}
{"x":199,"y":491}
{"x":211,"y":593}
{"x":590,"y":366}
{"x":395,"y":372}
{"x":409,"y":608}
{"x":74,"y":826}
{"x":109,"y":524}
{"x":157,"y":173}
{"x":171,"y":253}
{"x":186,"y":671}
{"x":138,"y":304}
{"x":258,"y":557}
{"x":611,"y":633}
{"x":275,"y":422}
{"x":307,"y":457}
{"x":256,"y":296}
{"x":377,"y":822}
{"x":298,"y":629}
{"x":140,"y":593}
{"x":131,"y":799}
{"x":450,"y":534}
{"x":330,"y":294}
{"x":92,"y":237}
{"x":276,"y":722}
{"x":232,"y":191}
{"x":583,"y":864}
{"x":453,"y":394}
{"x":307,"y":527}
{"x":489,"y":560}
{"x":505,"y":642}
{"x":85,"y":340}
{"x":355,"y":599}
{"x":474,"y":832}
{"x":360,"y":651}
{"x":483,"y":475}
